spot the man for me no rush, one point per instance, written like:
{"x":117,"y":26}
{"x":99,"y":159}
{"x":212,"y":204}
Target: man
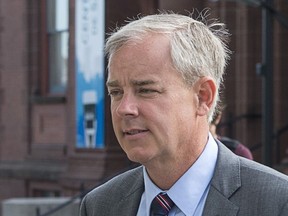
{"x":164,"y":73}
{"x":234,"y":145}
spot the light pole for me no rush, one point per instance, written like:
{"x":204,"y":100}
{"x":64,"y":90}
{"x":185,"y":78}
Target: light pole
{"x":267,"y":83}
{"x":265,"y":69}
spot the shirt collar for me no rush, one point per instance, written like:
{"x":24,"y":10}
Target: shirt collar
{"x":197,"y":177}
{"x":151,"y":190}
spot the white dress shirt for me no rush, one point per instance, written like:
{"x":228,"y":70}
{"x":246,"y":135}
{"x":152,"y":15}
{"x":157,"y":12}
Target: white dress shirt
{"x":189,"y":193}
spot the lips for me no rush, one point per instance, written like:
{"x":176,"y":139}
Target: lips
{"x":133,"y":131}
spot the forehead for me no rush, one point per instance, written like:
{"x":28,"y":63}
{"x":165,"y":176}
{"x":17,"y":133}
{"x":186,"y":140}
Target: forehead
{"x":137,"y":58}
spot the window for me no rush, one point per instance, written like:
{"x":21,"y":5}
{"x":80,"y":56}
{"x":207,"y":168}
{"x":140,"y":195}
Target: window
{"x":55,"y":74}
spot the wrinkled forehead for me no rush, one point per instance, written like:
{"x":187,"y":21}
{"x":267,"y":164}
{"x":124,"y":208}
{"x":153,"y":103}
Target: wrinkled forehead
{"x":153,"y":49}
{"x":144,"y":60}
{"x":145,"y":40}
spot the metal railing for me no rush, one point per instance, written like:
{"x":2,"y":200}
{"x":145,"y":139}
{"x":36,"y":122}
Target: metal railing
{"x":276,"y":136}
{"x":83,"y":192}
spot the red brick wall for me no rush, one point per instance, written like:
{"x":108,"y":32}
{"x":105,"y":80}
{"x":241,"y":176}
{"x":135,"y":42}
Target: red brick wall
{"x":13,"y":81}
{"x":34,"y":130}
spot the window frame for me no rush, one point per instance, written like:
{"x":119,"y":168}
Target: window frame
{"x":44,"y":73}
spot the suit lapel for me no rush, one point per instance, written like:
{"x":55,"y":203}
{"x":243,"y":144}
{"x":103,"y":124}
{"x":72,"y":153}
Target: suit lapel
{"x":225,"y":182}
{"x":128,"y":205}
{"x":218,"y":205}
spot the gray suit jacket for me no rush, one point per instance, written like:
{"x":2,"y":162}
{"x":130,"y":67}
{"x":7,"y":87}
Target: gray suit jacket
{"x":239,"y":187}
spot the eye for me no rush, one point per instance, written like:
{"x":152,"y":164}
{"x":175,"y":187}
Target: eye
{"x":115,"y":93}
{"x":146,"y":91}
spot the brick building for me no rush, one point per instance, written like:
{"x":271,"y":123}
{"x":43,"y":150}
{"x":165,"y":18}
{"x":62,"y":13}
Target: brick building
{"x":38,"y":151}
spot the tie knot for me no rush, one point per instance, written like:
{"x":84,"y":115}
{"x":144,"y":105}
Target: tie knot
{"x":161,"y":205}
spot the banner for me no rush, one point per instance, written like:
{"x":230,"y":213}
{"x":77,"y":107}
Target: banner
{"x":90,"y":39}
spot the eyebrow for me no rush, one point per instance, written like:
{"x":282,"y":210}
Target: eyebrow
{"x":142,"y":82}
{"x":115,"y":83}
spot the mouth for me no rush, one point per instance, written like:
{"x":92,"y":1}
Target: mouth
{"x":133,"y":132}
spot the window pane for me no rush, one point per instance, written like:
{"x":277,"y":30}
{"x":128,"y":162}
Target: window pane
{"x":58,"y":62}
{"x":57,"y":15}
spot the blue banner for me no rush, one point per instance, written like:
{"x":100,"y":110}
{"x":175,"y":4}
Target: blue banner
{"x":90,"y":39}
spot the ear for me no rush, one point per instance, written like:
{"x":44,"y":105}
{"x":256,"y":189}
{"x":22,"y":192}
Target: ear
{"x":206,"y":91}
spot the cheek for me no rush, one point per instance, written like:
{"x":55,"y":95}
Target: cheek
{"x":116,"y":124}
{"x":184,"y":120}
{"x":163,"y":124}
{"x":113,"y":111}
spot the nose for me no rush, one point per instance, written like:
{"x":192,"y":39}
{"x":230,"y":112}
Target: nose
{"x":127,"y":106}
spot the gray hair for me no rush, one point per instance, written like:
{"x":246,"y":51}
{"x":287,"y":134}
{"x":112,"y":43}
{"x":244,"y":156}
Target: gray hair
{"x":197,"y":49}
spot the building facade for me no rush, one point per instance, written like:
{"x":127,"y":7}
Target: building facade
{"x":39,"y":155}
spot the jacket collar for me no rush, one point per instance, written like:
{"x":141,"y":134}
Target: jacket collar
{"x":225,"y":182}
{"x":129,"y":204}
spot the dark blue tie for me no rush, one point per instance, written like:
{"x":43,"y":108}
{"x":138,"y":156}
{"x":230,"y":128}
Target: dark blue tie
{"x":161,"y":205}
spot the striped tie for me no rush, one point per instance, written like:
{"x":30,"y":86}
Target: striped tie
{"x":161,"y":205}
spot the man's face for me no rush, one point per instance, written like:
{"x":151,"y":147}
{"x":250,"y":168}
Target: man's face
{"x":153,"y":111}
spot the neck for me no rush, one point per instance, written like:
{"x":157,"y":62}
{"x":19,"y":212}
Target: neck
{"x":213,"y":130}
{"x":166,"y":173}
{"x":165,"y":178}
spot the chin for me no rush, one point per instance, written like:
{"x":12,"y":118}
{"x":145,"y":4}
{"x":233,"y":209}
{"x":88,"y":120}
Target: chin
{"x":135,"y":158}
{"x":138,"y":157}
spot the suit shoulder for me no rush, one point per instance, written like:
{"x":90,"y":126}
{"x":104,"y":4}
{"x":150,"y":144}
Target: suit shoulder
{"x":260,"y":174}
{"x":105,"y":199}
{"x":128,"y":181}
{"x":249,"y":169}
{"x":253,"y":166}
